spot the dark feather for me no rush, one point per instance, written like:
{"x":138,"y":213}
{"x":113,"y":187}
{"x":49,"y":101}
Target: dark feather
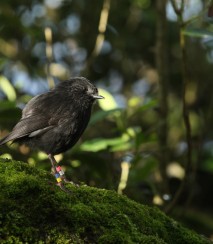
{"x":25,"y":127}
{"x":54,"y":121}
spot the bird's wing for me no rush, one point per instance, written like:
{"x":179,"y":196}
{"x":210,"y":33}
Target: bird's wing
{"x":35,"y":119}
{"x":29,"y":126}
{"x":37,"y":116}
{"x":47,"y":104}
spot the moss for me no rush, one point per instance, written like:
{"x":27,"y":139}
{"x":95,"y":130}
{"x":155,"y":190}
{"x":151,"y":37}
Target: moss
{"x":34,"y":210}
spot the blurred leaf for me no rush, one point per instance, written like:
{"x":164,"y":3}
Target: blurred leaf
{"x":99,"y":144}
{"x":146,"y":167}
{"x":102,"y":114}
{"x":5,"y":105}
{"x":109,"y":102}
{"x":148,"y":105}
{"x":134,"y":101}
{"x":124,"y":142}
{"x":197,"y":33}
{"x":3,"y":61}
{"x":9,"y":114}
{"x":9,"y":117}
{"x":133,"y":131}
{"x":6,"y":155}
{"x":24,"y":98}
{"x":207,"y":165}
{"x":7,"y":88}
{"x":122,"y":146}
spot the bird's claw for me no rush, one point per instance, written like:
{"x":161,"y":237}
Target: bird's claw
{"x":70,"y":182}
{"x":63,"y":188}
{"x":60,"y":176}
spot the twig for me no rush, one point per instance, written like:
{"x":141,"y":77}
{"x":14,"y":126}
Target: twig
{"x":101,"y":35}
{"x":49,"y":54}
{"x":179,"y":12}
{"x":102,"y":28}
{"x":185,"y":110}
{"x":163,"y":73}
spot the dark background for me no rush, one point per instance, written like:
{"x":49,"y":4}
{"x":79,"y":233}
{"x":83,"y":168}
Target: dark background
{"x":130,"y":69}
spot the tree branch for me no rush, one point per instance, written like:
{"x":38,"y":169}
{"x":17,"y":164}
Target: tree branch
{"x":185,"y":109}
{"x":163,"y":73}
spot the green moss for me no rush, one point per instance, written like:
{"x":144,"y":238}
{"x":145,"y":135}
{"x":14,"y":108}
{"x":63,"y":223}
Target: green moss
{"x":34,"y":210}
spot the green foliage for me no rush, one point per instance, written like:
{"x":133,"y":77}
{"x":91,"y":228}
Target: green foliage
{"x":128,"y":119}
{"x":34,"y":210}
{"x":198,"y":33}
{"x":7,"y":88}
{"x":9,"y":113}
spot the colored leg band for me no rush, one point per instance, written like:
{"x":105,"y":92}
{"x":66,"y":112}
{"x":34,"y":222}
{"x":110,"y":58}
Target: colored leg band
{"x":59,"y":170}
{"x":58,"y":178}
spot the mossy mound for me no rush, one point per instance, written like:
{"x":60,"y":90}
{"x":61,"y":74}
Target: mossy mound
{"x":34,"y":210}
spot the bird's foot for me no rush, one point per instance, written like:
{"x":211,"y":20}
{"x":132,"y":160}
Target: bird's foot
{"x":70,"y":182}
{"x":63,"y":188}
{"x":60,"y":176}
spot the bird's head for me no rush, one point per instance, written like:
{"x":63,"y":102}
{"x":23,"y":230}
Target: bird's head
{"x":89,"y":89}
{"x":81,"y":89}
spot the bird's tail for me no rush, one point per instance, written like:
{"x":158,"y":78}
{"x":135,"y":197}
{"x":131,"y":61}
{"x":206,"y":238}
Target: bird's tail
{"x":4,"y":140}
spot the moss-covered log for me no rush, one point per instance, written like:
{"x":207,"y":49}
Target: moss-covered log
{"x":34,"y":210}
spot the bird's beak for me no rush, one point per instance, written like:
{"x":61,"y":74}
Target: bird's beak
{"x":97,"y":96}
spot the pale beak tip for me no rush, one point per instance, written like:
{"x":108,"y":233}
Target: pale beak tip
{"x":98,"y":97}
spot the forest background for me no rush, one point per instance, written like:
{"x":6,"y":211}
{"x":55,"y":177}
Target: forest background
{"x":151,"y":138}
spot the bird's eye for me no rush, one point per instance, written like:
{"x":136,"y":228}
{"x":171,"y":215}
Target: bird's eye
{"x":85,"y":89}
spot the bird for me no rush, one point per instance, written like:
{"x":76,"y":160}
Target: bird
{"x":54,"y":121}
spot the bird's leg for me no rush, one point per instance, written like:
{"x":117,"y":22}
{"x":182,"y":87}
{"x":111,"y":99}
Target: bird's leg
{"x":58,"y":172}
{"x":53,"y":162}
{"x":63,"y":177}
